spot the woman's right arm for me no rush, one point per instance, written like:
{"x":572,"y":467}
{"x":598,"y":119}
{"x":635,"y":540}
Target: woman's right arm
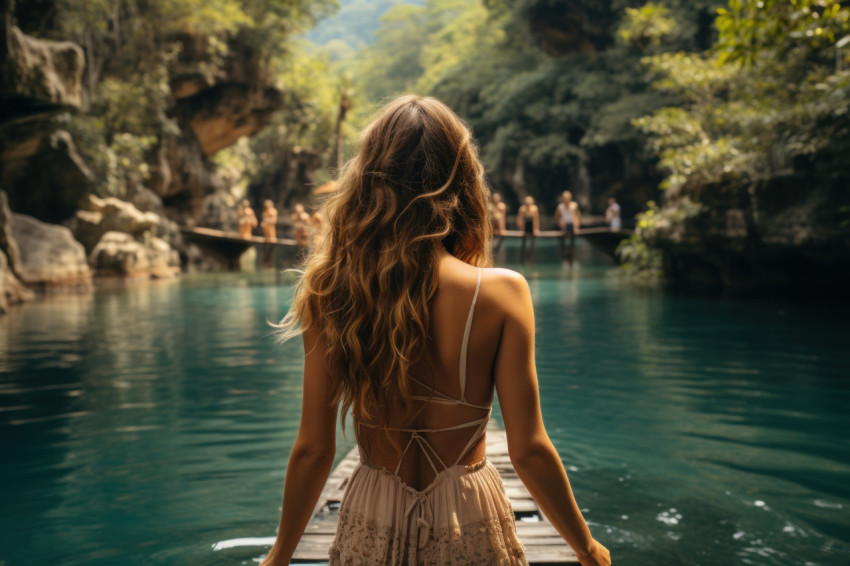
{"x":532,"y":454}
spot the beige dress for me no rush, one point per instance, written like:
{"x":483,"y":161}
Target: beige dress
{"x":463,"y":517}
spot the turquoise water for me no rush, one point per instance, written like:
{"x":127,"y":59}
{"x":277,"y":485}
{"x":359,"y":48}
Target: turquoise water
{"x":142,"y":425}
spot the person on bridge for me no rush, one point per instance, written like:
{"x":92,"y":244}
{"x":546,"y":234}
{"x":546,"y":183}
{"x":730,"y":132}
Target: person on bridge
{"x":247,"y":220}
{"x":405,"y":326}
{"x":498,"y":214}
{"x":300,"y":219}
{"x":317,"y":227}
{"x":567,"y":215}
{"x":269,"y":222}
{"x":498,"y":218}
{"x":612,"y":214}
{"x":528,"y":221}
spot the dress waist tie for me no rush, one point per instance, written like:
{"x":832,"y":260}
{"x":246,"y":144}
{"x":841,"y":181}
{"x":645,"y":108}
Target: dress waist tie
{"x":419,"y":515}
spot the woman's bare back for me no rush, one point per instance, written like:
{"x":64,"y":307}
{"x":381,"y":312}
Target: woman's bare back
{"x":449,"y":312}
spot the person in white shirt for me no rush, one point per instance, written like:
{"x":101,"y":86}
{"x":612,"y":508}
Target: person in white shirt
{"x":612,"y":214}
{"x":567,"y":217}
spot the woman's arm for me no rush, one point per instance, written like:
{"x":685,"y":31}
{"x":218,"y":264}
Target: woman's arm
{"x":532,"y":453}
{"x":312,"y":454}
{"x":536,"y":221}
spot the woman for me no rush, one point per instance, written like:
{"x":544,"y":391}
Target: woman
{"x":247,"y":219}
{"x":403,"y":327}
{"x":269,"y":222}
{"x":300,"y":220}
{"x":498,"y":214}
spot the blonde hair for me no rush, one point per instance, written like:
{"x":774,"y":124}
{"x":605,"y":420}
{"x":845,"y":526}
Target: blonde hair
{"x":414,"y":183}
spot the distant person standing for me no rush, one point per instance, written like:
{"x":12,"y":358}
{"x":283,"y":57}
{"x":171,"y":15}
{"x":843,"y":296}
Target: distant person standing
{"x":317,"y":226}
{"x":568,"y":219}
{"x":247,"y":219}
{"x":269,"y":222}
{"x":498,"y":218}
{"x":300,"y":219}
{"x":567,"y":214}
{"x":528,"y":221}
{"x":498,"y":214}
{"x":612,"y":214}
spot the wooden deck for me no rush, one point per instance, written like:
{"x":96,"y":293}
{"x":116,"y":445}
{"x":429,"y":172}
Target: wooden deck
{"x":542,"y":543}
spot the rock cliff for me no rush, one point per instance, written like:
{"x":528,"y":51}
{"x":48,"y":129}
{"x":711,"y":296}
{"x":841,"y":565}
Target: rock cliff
{"x":39,"y":165}
{"x":789,"y":233}
{"x":213,"y":112}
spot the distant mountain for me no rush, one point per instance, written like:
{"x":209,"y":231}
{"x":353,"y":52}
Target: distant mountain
{"x":355,"y":22}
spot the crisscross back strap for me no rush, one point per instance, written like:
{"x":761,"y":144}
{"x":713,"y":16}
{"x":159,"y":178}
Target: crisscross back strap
{"x":463,"y":347}
{"x":443,"y":399}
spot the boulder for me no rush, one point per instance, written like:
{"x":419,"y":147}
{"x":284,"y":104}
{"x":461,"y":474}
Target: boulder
{"x":12,"y":290}
{"x":43,"y":166}
{"x":7,"y":241}
{"x":101,"y":215}
{"x":48,"y":256}
{"x":119,"y":254}
{"x":39,"y":73}
{"x":169,"y":230}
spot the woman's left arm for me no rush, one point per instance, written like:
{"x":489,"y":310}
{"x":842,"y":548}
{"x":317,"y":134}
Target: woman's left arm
{"x":312,"y":454}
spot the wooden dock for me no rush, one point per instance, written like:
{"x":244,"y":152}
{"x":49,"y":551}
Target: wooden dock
{"x":542,"y":543}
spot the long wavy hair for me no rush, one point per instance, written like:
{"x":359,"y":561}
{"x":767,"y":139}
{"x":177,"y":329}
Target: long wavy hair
{"x":415,"y":183}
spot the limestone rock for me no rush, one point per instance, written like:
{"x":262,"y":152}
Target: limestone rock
{"x":101,"y":215}
{"x":169,"y":230}
{"x":48,"y":255}
{"x":217,"y":101}
{"x":220,"y":115}
{"x":7,"y":242}
{"x":12,"y":290}
{"x":219,"y":211}
{"x":43,"y":166}
{"x":185,"y":176}
{"x":784,"y":234}
{"x":39,"y":72}
{"x":119,"y":254}
{"x":199,"y":259}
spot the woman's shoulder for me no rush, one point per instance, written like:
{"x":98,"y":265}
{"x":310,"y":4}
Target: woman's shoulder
{"x":502,"y":283}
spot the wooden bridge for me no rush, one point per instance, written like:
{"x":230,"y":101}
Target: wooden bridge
{"x":543,"y":544}
{"x":601,"y":237}
{"x":229,"y":246}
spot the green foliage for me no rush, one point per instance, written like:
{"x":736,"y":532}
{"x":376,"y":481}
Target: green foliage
{"x":756,"y":31}
{"x":768,"y":92}
{"x":113,"y":163}
{"x":646,"y":26}
{"x":133,"y":51}
{"x":534,"y":114}
{"x":310,"y":88}
{"x":638,"y":259}
{"x":353,"y":25}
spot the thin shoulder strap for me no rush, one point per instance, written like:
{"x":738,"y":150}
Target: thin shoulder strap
{"x":462,"y":370}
